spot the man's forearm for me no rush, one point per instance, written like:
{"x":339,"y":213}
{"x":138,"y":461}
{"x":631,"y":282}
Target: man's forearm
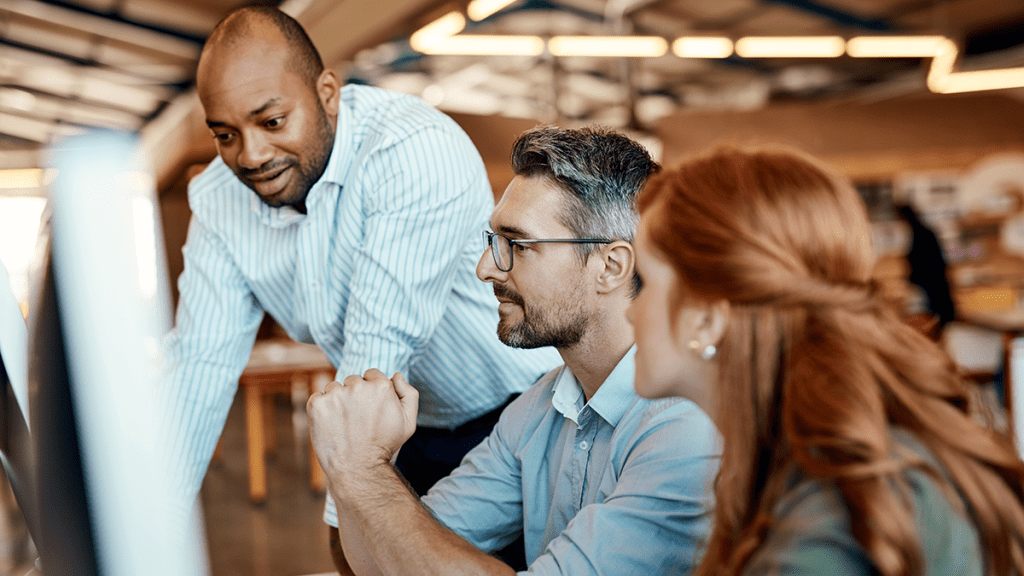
{"x":337,"y":552}
{"x":381,"y":521}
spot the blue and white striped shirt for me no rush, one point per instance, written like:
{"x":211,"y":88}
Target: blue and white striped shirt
{"x":380,"y":273}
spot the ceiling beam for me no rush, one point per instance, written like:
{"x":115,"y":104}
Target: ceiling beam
{"x":109,"y":22}
{"x":837,"y":16}
{"x":340,"y":29}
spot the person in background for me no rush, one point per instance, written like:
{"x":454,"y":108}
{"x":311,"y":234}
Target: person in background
{"x":598,"y":480}
{"x":849,"y":444}
{"x":928,"y":270}
{"x":351,"y":215}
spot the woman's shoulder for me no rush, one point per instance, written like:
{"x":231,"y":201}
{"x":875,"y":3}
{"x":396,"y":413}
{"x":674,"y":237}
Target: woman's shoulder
{"x":812,"y":529}
{"x":948,"y":537}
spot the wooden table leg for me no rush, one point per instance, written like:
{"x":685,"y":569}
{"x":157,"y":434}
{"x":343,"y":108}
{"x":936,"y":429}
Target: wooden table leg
{"x":254,"y":434}
{"x":269,"y":432}
{"x":317,"y":482}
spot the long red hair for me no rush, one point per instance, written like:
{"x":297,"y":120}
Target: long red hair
{"x":814,"y":370}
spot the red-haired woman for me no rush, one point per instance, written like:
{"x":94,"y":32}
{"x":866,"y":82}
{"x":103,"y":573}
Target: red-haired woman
{"x":849,"y":444}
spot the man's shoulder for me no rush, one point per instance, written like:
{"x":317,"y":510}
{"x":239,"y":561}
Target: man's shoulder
{"x":671,"y":421}
{"x":385,"y":116}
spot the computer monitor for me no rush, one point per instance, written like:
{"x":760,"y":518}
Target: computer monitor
{"x":15,"y":443}
{"x":101,"y":482}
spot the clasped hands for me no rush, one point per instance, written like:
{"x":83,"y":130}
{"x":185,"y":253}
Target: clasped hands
{"x":361,"y":423}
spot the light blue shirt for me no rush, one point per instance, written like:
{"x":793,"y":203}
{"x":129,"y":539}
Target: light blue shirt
{"x":380,"y":273}
{"x":617,"y":485}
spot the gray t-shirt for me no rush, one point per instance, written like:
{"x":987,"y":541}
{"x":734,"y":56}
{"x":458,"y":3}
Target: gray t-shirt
{"x":812,"y":532}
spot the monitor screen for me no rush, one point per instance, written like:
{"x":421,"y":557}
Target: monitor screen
{"x":100,"y":307}
{"x":15,"y":444}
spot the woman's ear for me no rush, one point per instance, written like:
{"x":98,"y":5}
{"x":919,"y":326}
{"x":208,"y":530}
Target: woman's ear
{"x":699,"y":325}
{"x":717,"y":318}
{"x":618,"y":263}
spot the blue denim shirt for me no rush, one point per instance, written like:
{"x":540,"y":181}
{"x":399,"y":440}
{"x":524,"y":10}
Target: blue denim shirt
{"x":616,"y":485}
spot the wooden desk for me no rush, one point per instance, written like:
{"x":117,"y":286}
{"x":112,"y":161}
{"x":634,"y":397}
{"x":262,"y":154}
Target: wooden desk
{"x":1010,"y":323}
{"x":274,"y":366}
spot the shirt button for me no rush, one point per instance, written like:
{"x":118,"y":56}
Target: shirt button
{"x":314,"y":284}
{"x":584,"y":445}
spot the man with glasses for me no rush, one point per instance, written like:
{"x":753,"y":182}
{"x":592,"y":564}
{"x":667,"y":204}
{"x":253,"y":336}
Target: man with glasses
{"x":596,"y":479}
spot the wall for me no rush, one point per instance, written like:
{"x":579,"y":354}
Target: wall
{"x":865,"y":139}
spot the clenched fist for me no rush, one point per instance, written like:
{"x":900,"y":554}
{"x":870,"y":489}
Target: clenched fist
{"x":361,"y":423}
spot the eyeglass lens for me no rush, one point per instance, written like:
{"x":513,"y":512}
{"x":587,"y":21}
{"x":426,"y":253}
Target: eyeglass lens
{"x":501,"y":250}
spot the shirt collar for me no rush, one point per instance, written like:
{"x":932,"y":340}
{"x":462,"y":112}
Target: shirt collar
{"x":611,"y":400}
{"x":285,"y":216}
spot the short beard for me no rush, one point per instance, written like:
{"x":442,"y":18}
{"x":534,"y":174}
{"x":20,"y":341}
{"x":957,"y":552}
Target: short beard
{"x":306,"y":174}
{"x":536,"y":330}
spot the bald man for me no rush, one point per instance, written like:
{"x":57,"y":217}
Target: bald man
{"x":352,"y":216}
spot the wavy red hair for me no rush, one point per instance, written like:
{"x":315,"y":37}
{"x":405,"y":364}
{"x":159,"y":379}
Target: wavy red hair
{"x":815,"y":371}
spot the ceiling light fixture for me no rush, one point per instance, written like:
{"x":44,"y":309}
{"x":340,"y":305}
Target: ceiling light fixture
{"x":943,"y":80}
{"x":622,"y":46}
{"x":437,"y":31}
{"x":894,"y":46}
{"x":702,"y":47}
{"x":481,"y":45}
{"x":441,"y":37}
{"x":480,"y":9}
{"x":790,"y":47}
{"x":977,"y":80}
{"x":21,"y":178}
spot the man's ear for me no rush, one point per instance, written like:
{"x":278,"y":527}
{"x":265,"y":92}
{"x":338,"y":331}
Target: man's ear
{"x":328,"y":90}
{"x":618,"y":262}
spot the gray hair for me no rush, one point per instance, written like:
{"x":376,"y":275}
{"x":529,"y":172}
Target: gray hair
{"x":601,"y":172}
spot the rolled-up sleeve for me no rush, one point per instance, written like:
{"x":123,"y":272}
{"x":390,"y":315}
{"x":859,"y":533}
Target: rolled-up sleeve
{"x":482,"y":500}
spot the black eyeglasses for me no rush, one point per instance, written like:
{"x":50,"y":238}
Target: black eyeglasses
{"x":501,"y":246}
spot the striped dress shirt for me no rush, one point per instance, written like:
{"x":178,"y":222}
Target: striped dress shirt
{"x":380,"y":273}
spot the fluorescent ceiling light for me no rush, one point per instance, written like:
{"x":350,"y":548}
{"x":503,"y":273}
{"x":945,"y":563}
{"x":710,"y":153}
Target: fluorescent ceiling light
{"x":631,"y":46}
{"x":441,"y":29}
{"x":21,"y":178}
{"x":790,"y":47}
{"x":480,"y":45}
{"x":943,"y":80}
{"x":702,"y":47}
{"x":480,"y":9}
{"x":979,"y":80}
{"x":894,"y":46}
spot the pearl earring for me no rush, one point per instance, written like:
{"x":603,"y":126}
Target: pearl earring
{"x":707,"y":353}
